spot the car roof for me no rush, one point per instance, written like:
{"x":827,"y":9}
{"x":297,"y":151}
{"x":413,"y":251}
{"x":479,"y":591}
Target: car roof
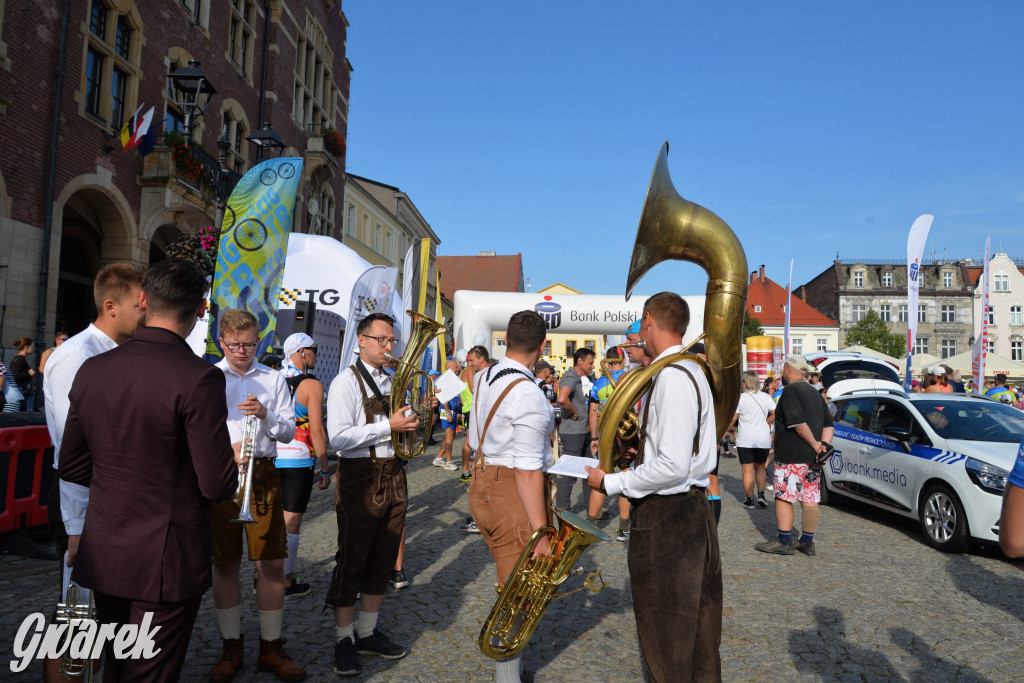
{"x":913,"y":398}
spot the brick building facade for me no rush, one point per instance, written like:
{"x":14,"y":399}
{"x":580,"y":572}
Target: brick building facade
{"x":279,"y":61}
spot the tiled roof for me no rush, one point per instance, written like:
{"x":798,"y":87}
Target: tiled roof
{"x":772,"y":300}
{"x":500,"y":273}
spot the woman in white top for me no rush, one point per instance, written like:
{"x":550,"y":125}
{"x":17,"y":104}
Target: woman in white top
{"x":756,"y":413}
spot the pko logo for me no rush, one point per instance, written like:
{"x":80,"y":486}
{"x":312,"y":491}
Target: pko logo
{"x":836,"y":463}
{"x":914,"y":267}
{"x":550,"y":311}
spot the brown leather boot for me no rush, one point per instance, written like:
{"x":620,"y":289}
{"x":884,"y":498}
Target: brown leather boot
{"x":274,"y":658}
{"x":230,"y":662}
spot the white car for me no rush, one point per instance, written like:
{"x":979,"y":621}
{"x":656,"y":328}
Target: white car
{"x":940,"y":458}
{"x":845,"y":371}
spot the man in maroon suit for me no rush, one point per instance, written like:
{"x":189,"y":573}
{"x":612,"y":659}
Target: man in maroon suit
{"x":146,"y":440}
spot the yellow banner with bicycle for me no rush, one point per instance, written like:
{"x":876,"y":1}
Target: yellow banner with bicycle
{"x":253,"y":246}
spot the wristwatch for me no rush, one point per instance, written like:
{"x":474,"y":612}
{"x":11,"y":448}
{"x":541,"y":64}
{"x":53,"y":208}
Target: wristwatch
{"x":601,"y":488}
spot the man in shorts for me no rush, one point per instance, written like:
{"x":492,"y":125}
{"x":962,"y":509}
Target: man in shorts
{"x":252,"y":389}
{"x":803,"y":428}
{"x":449,"y":413}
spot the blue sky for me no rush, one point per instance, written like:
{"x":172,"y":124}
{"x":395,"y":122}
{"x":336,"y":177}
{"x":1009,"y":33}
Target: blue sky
{"x":810,"y":127}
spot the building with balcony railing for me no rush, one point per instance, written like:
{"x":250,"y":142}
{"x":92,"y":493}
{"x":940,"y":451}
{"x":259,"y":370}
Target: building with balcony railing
{"x":847,"y":290}
{"x":72,"y":200}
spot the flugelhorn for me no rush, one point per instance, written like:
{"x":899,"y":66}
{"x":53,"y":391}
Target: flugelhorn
{"x":409,"y":445}
{"x":673,"y":228}
{"x":245,"y":471}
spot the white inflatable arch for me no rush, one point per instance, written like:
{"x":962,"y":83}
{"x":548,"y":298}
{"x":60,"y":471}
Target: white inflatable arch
{"x":479,"y":313}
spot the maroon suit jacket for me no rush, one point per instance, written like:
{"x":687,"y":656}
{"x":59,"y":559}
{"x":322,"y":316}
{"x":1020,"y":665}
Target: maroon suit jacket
{"x":147,"y":433}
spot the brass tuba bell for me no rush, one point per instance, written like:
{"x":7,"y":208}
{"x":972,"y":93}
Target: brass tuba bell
{"x":673,"y":228}
{"x":414,"y":386}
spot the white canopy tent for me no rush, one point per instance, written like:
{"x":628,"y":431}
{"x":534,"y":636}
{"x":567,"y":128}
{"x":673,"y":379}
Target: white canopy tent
{"x":994,"y":363}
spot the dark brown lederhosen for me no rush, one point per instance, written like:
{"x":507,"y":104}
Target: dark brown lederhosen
{"x":495,"y":504}
{"x":676,"y":575}
{"x":372,"y":501}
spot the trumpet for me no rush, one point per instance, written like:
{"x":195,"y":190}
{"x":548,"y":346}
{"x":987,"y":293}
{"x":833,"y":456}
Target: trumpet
{"x":245,"y":471}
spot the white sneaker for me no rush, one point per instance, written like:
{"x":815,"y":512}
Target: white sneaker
{"x":438,"y":462}
{"x":450,"y":466}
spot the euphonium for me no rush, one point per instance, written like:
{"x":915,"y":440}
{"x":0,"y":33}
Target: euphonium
{"x":245,"y":471}
{"x":77,"y":607}
{"x":531,"y":586}
{"x":674,"y":228}
{"x":409,"y":445}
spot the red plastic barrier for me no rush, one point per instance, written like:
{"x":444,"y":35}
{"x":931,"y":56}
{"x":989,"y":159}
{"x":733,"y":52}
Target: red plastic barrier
{"x":26,"y":470}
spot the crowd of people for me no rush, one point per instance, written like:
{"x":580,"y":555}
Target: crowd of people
{"x":152,"y":484}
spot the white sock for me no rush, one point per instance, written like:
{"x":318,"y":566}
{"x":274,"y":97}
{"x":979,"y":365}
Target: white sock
{"x":270,"y":624}
{"x":230,"y":621}
{"x":507,"y":670}
{"x":293,"y":553}
{"x":366,"y":623}
{"x":343,"y":632}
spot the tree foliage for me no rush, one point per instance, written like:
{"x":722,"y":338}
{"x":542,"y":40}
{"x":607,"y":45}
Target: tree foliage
{"x":751,"y":326}
{"x":873,"y":332}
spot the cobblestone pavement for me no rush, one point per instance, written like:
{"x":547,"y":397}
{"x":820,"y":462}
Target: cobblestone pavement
{"x":875,"y":604}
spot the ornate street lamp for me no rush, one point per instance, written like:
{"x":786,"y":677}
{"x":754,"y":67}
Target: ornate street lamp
{"x":191,"y":91}
{"x":266,"y":139}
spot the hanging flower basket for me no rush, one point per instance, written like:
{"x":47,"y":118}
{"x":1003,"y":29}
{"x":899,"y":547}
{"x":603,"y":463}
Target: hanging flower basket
{"x":184,"y":160}
{"x":333,"y":142}
{"x":198,"y":246}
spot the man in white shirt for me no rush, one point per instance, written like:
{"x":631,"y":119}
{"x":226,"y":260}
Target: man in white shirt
{"x":253,"y":389}
{"x":674,"y":563}
{"x":116,"y":293}
{"x":371,"y":497}
{"x":508,"y":496}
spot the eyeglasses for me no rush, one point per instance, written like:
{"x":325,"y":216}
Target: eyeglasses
{"x":383,"y":341}
{"x":247,"y":346}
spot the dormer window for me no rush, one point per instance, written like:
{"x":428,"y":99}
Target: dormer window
{"x":887,"y":278}
{"x":858,"y":278}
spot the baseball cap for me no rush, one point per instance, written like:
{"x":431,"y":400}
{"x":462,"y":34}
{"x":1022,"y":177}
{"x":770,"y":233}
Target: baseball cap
{"x":634,"y":327}
{"x":937,"y":370}
{"x":799,"y":363}
{"x":297,"y":341}
{"x":542,"y":365}
{"x":1005,"y":398}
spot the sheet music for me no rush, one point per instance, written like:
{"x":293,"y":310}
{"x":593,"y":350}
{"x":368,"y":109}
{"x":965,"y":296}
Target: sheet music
{"x":448,"y":386}
{"x":572,"y":466}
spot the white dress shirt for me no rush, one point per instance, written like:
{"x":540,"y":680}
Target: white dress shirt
{"x":347,"y":429}
{"x":518,"y":435}
{"x":669,"y":465}
{"x":58,"y":376}
{"x":270,"y":387}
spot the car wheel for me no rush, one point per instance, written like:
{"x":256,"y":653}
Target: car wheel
{"x":943,"y":521}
